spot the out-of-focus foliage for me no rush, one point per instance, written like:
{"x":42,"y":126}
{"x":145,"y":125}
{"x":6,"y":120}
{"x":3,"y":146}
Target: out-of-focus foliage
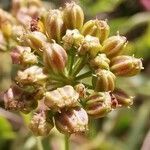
{"x":7,"y":133}
{"x":123,"y":129}
{"x":6,"y":129}
{"x":93,"y":7}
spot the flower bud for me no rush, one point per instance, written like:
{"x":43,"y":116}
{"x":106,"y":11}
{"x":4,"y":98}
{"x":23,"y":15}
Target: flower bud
{"x":55,"y":57}
{"x":81,"y":90}
{"x":6,"y":28}
{"x":124,"y":100}
{"x":35,"y":40}
{"x":98,"y":104}
{"x":61,"y":97}
{"x":100,"y":62}
{"x":41,"y":124}
{"x":3,"y":44}
{"x":37,"y":3}
{"x":114,"y":45}
{"x":91,"y":45}
{"x":16,"y":5}
{"x":18,"y":31}
{"x":23,"y":55}
{"x":104,"y":80}
{"x":54,"y":25}
{"x":71,"y":121}
{"x":72,"y":38}
{"x":126,"y":65}
{"x":97,"y":28}
{"x":73,"y":16}
{"x":31,"y":75}
{"x":6,"y":17}
{"x":23,"y":17}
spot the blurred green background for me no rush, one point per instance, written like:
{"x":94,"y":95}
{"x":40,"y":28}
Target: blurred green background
{"x":124,"y":129}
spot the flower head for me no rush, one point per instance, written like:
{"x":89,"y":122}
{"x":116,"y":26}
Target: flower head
{"x":66,"y":68}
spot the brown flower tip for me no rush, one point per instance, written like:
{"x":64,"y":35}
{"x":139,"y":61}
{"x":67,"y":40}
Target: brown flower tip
{"x":36,"y":25}
{"x":124,"y":100}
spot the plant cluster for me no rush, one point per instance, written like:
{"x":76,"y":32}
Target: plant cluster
{"x":67,"y":70}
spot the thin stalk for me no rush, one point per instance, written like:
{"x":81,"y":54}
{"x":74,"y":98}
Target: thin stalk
{"x":80,"y":63}
{"x":71,"y":56}
{"x":71,"y":62}
{"x":39,"y":144}
{"x":88,"y":86}
{"x":66,"y":138}
{"x":54,"y":77}
{"x":84,"y":75}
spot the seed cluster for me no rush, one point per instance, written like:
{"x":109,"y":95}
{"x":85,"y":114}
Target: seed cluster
{"x":67,"y":71}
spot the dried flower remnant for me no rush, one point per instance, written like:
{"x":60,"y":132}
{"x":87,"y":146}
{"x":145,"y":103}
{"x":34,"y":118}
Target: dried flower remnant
{"x":25,"y":10}
{"x":40,"y":124}
{"x":23,"y":55}
{"x":72,"y":121}
{"x":66,"y":66}
{"x":123,"y":99}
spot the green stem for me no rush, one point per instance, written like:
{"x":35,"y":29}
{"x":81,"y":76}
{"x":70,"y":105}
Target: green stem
{"x":82,"y":76}
{"x":71,"y":62}
{"x":39,"y":144}
{"x":71,"y":56}
{"x":56,"y":78}
{"x":80,"y":63}
{"x":66,"y":142}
